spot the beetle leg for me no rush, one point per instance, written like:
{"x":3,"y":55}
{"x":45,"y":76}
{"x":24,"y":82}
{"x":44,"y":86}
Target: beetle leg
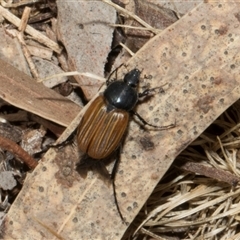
{"x":109,"y":80}
{"x":102,"y":170}
{"x":151,"y":91}
{"x":83,"y":165}
{"x":155,"y":126}
{"x":87,"y":163}
{"x":116,"y":163}
{"x":69,"y":140}
{"x":113,"y":174}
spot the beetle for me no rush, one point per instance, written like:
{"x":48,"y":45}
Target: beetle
{"x":105,"y":122}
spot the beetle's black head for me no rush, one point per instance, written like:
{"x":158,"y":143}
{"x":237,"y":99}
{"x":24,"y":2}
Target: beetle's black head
{"x":132,"y":78}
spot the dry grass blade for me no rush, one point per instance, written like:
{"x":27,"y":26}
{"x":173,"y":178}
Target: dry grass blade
{"x":124,"y":11}
{"x":208,"y":204}
{"x":86,"y":74}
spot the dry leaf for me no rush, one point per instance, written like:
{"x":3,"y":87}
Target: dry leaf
{"x":7,"y":181}
{"x":83,"y":27}
{"x":35,"y":97}
{"x":47,"y":69}
{"x":11,"y":51}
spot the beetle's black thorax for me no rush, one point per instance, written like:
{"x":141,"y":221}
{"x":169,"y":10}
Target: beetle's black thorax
{"x":120,"y":95}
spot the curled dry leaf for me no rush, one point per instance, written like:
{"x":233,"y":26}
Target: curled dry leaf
{"x":198,"y":58}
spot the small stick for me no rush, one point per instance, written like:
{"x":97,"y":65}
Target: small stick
{"x":31,"y":31}
{"x":21,"y":28}
{"x":15,"y":5}
{"x":27,"y":55}
{"x":24,"y":20}
{"x":14,"y":148}
{"x":218,"y":174}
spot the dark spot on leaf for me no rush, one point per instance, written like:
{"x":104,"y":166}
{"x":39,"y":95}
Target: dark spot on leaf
{"x":75,"y":220}
{"x":216,"y":80}
{"x":237,"y":16}
{"x":223,"y":30}
{"x":123,"y":194}
{"x":204,"y":103}
{"x":134,"y":157}
{"x":180,"y":132}
{"x":129,"y":209}
{"x":146,"y":143}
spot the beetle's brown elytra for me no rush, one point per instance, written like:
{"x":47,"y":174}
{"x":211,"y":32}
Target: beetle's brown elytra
{"x":100,"y":131}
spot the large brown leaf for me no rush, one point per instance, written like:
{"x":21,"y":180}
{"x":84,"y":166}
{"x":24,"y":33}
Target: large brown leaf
{"x":26,"y":93}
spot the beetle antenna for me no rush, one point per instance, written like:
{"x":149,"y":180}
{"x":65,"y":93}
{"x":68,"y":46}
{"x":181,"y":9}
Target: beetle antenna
{"x":151,"y":91}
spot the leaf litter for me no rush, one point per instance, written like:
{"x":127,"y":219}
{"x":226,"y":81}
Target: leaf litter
{"x":184,"y":204}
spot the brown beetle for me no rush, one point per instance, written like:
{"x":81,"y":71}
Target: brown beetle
{"x":105,"y":121}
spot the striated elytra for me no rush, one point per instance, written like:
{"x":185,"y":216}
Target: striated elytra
{"x":106,"y":119}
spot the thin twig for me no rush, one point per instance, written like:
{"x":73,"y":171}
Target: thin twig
{"x":31,"y":31}
{"x":138,"y":19}
{"x":27,"y":55}
{"x":211,"y":172}
{"x":14,"y":148}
